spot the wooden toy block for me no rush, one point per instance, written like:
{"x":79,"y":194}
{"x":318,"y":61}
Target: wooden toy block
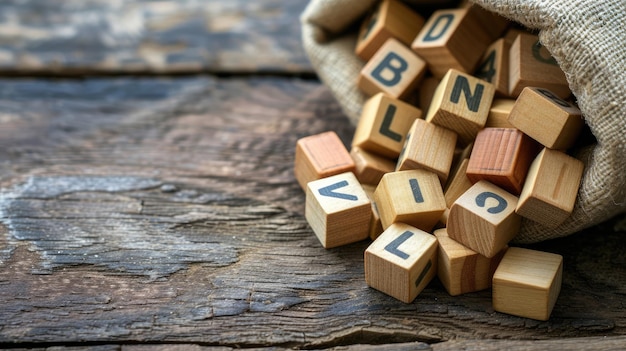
{"x":462,"y":270}
{"x":376,"y":226}
{"x":527,"y":283}
{"x":401,"y":262}
{"x":414,"y":197}
{"x":394,"y":69}
{"x":459,"y":183}
{"x":502,"y":156}
{"x":551,"y":188}
{"x":321,"y":155}
{"x":484,"y":218}
{"x":498,"y":116}
{"x":338,"y":210}
{"x":545,"y":117}
{"x":383,"y":125}
{"x":426,"y":91}
{"x":494,"y":67}
{"x":370,"y":167}
{"x":461,"y":103}
{"x":390,"y":19}
{"x":451,"y":38}
{"x":531,"y":65}
{"x":493,"y":24}
{"x":430,"y":147}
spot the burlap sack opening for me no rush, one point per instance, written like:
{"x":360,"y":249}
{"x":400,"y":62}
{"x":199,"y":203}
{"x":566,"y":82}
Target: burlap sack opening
{"x":588,"y":40}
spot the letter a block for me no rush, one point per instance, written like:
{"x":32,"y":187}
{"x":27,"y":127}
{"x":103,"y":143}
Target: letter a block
{"x":551,"y":187}
{"x":527,"y":283}
{"x":461,"y":103}
{"x":401,"y":262}
{"x":484,"y":219}
{"x":394,"y":70}
{"x":338,"y":210}
{"x":414,"y":197}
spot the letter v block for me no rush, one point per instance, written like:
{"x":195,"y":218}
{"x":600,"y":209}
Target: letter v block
{"x":401,"y":262}
{"x":338,"y":210}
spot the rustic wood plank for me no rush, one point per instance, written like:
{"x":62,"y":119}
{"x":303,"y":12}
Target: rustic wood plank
{"x":166,"y":211}
{"x":142,"y":36}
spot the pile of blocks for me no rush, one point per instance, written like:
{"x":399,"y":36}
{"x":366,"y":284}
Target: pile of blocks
{"x":465,"y":132}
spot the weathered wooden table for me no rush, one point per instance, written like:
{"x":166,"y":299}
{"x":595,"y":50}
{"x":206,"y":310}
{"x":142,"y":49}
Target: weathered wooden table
{"x":147,"y":198}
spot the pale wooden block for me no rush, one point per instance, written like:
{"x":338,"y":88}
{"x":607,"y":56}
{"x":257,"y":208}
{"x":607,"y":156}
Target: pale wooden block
{"x":551,"y":187}
{"x":494,"y":67}
{"x":498,"y":116}
{"x":502,"y":156}
{"x":451,"y":38}
{"x":531,"y":65}
{"x":376,"y":226}
{"x":401,"y":262}
{"x":459,"y":183}
{"x":484,"y":218}
{"x":462,"y":270}
{"x":545,"y":117}
{"x":394,"y":70}
{"x":461,"y":103}
{"x":370,"y":167}
{"x":527,"y":283}
{"x":338,"y":210}
{"x":414,"y":197}
{"x":321,"y":155}
{"x":383,"y":125}
{"x":390,"y":19}
{"x":430,"y":147}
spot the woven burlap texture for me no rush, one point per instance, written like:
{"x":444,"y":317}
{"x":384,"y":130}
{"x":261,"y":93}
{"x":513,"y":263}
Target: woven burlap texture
{"x":586,"y":37}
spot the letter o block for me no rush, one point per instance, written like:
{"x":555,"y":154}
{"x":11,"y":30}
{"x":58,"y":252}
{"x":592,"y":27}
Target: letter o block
{"x":401,"y":261}
{"x":484,"y":218}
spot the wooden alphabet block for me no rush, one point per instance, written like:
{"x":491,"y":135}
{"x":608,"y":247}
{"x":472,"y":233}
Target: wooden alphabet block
{"x":493,"y":24}
{"x":430,"y":147}
{"x":451,"y":38}
{"x":394,"y":70}
{"x":370,"y":167}
{"x":376,"y":226}
{"x":321,"y":155}
{"x":531,"y":65}
{"x":426,"y":91}
{"x":338,"y":210}
{"x":502,"y":156}
{"x":461,"y":103}
{"x":494,"y":67}
{"x":545,"y":117}
{"x":498,"y":116}
{"x":462,"y":270}
{"x":527,"y":283}
{"x":413,"y":197}
{"x":383,"y":125}
{"x":401,"y":262}
{"x":458,"y":184}
{"x":484,"y":219}
{"x":390,"y":19}
{"x":551,"y":188}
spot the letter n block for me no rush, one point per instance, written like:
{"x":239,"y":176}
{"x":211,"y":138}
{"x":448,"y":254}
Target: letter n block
{"x":414,"y":197}
{"x":394,"y":70}
{"x":551,"y":187}
{"x":461,"y":103}
{"x":527,"y":283}
{"x":383,"y":125}
{"x":545,"y":117}
{"x":401,"y":262}
{"x":484,"y":219}
{"x":338,"y":210}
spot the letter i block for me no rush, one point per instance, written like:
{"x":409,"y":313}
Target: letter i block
{"x":338,"y":210}
{"x":484,"y":219}
{"x":452,"y":38}
{"x":401,"y":262}
{"x":461,"y":103}
{"x":391,"y":19}
{"x":462,"y":270}
{"x":394,"y":70}
{"x":545,"y":117}
{"x":430,"y":147}
{"x":494,"y":66}
{"x":319,"y":156}
{"x":414,"y":197}
{"x":502,"y":156}
{"x":551,"y":187}
{"x":383,"y":125}
{"x":527,"y":283}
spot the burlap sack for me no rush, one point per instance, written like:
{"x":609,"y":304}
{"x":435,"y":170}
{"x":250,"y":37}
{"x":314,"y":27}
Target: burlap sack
{"x":586,"y":37}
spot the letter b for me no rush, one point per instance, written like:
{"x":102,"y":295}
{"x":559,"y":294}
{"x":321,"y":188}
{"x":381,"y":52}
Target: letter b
{"x":389,"y":70}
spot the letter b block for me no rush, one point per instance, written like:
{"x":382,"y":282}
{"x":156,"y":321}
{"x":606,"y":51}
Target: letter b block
{"x":401,"y":262}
